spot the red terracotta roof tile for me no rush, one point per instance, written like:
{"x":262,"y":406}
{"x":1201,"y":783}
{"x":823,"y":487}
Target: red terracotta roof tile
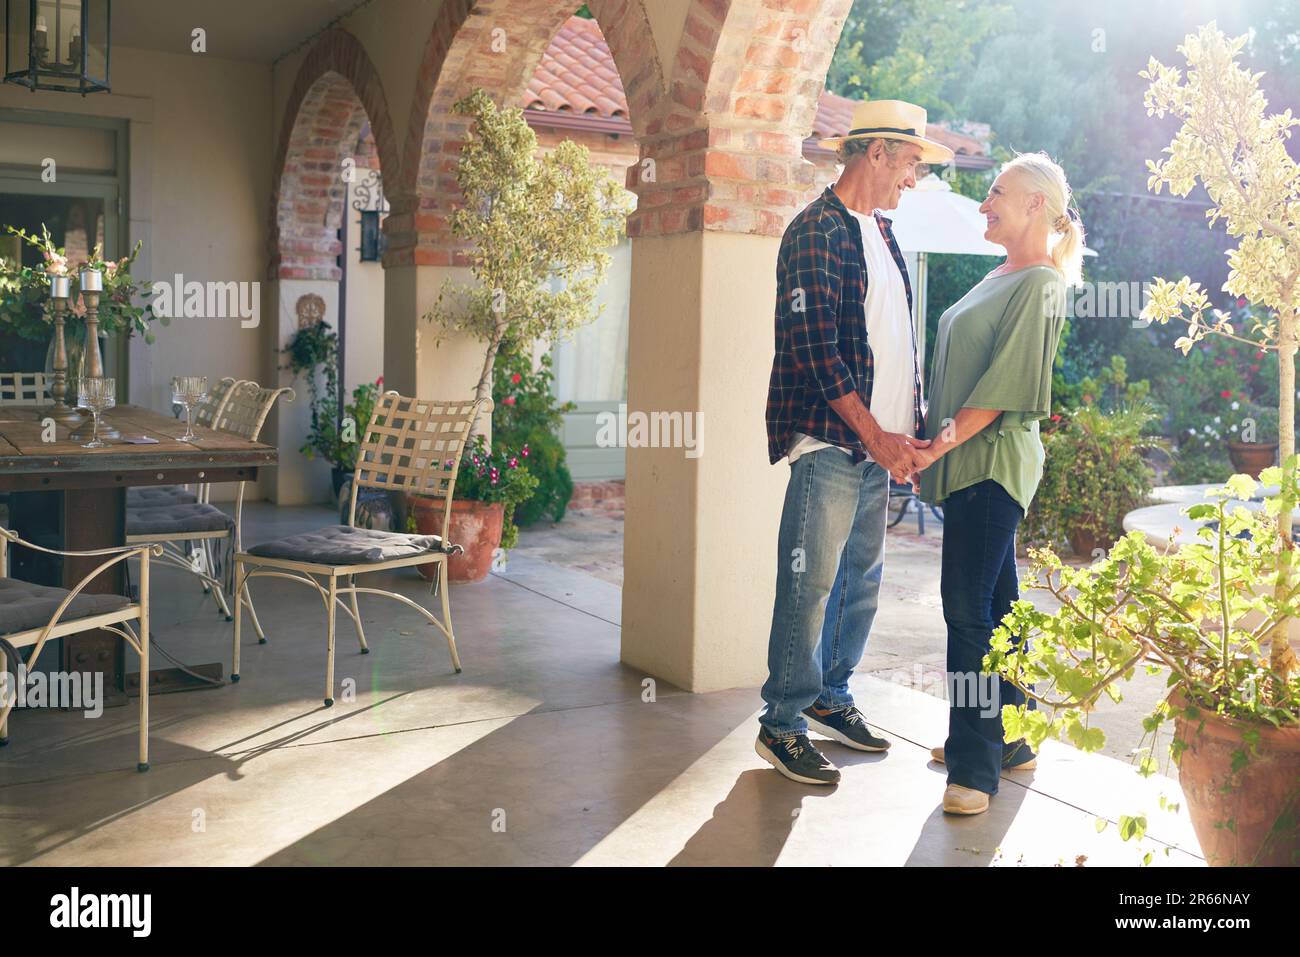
{"x":577,"y":75}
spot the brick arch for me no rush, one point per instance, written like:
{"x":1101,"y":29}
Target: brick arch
{"x":745,"y":86}
{"x":459,"y":55}
{"x":337,"y":102}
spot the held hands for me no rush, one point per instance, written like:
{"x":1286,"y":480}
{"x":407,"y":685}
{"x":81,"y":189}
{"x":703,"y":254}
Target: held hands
{"x":901,"y":455}
{"x":925,"y":457}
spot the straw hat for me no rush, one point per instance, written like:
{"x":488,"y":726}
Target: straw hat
{"x":892,"y":120}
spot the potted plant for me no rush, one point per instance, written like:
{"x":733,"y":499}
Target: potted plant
{"x":1105,"y":446}
{"x":1229,"y":144}
{"x":1201,"y":614}
{"x":1214,"y":614}
{"x":538,"y":228}
{"x":1255,"y":448}
{"x":489,"y":486}
{"x":311,"y":351}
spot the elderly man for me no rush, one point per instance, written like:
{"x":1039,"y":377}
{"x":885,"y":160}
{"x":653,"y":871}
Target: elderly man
{"x":844,"y":406}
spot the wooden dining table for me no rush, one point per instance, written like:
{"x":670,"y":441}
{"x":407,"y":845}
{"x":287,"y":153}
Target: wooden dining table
{"x":64,"y":496}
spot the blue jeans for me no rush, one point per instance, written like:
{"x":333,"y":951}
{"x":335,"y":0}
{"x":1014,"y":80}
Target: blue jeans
{"x":830,"y":555}
{"x":978,"y":585}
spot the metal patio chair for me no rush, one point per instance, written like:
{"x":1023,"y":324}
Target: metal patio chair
{"x":412,"y":446}
{"x":30,"y":615}
{"x":201,"y":525}
{"x":25,"y":388}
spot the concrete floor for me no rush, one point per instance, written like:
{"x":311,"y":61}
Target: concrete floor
{"x":544,"y":751}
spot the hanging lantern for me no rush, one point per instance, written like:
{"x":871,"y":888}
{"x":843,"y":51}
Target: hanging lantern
{"x":58,"y":44}
{"x":370,"y":203}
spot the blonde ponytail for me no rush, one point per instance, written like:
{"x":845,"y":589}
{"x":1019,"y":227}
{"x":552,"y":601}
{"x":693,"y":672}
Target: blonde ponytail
{"x":1042,"y":175}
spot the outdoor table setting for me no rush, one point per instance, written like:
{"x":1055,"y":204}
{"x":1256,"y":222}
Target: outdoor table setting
{"x":67,"y":481}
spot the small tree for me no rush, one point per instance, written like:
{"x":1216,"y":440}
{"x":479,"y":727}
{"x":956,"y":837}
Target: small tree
{"x":539,"y":229}
{"x":1238,"y":152}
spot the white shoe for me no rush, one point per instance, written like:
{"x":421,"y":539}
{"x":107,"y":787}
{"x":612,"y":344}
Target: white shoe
{"x":937,"y":755}
{"x":960,"y":800}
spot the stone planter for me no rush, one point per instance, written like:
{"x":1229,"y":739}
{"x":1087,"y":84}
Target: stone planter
{"x":1252,"y":457}
{"x":475,"y":526}
{"x":1247,"y":817}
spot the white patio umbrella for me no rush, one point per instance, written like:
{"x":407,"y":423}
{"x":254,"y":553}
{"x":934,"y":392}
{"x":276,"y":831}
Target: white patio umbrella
{"x":933,"y":218}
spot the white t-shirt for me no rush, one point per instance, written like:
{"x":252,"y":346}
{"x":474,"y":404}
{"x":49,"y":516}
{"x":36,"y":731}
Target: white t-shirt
{"x":889,"y":332}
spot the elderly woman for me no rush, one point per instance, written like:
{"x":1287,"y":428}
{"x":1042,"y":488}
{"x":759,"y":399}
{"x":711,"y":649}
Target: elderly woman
{"x":991,"y":384}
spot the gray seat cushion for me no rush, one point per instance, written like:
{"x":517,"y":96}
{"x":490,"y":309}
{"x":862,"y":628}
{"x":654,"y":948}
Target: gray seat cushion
{"x":151,"y":496}
{"x":344,"y":545}
{"x":177,"y":519}
{"x":24,"y":606}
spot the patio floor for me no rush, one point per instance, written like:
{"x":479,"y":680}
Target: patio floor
{"x":542,"y":752}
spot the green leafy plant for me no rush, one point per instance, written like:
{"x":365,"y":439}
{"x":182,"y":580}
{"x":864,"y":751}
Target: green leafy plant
{"x":1109,"y":389}
{"x":1200,"y":613}
{"x":337,"y":440}
{"x":25,"y":290}
{"x":538,"y":228}
{"x":526,"y":415}
{"x":1238,"y":152}
{"x":311,"y":351}
{"x":1107,"y":448}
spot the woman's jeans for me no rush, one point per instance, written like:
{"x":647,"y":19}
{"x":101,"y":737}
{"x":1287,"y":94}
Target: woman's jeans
{"x":830,"y":554}
{"x":978,"y":585}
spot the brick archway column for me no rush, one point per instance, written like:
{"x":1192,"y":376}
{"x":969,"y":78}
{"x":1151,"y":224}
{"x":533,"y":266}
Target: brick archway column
{"x":720,"y":110}
{"x":335,"y":93}
{"x":701,"y":533}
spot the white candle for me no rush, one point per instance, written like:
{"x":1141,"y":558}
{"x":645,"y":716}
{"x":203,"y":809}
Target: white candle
{"x":60,"y":287}
{"x":91,"y":281}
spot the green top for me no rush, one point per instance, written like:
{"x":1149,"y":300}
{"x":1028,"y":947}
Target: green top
{"x":995,"y":350}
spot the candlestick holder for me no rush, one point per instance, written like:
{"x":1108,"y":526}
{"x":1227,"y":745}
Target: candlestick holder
{"x":60,"y":289}
{"x":92,"y":285}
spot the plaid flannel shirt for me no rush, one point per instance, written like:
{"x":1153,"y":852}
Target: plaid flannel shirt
{"x":822,"y":351}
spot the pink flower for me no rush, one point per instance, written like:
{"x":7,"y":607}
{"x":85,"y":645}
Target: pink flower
{"x":524,"y":451}
{"x":514,"y":462}
{"x":508,"y":400}
{"x":1225,"y":394}
{"x":516,"y":378}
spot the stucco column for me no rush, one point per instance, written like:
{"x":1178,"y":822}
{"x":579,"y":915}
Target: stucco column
{"x":700,"y":533}
{"x":415,"y":361}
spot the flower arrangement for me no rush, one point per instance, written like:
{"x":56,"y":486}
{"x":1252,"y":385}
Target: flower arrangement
{"x":25,"y":290}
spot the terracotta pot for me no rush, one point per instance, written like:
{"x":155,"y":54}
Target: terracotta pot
{"x":1262,"y":800}
{"x":1252,"y":457}
{"x":475,"y":526}
{"x":1082,"y":541}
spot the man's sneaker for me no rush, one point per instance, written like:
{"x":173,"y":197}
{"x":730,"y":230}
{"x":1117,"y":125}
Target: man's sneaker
{"x":845,"y":725}
{"x":796,"y":758}
{"x":937,"y":754}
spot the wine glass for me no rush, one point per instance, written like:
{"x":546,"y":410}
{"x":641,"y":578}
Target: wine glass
{"x":96,"y":394}
{"x":188,"y":391}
